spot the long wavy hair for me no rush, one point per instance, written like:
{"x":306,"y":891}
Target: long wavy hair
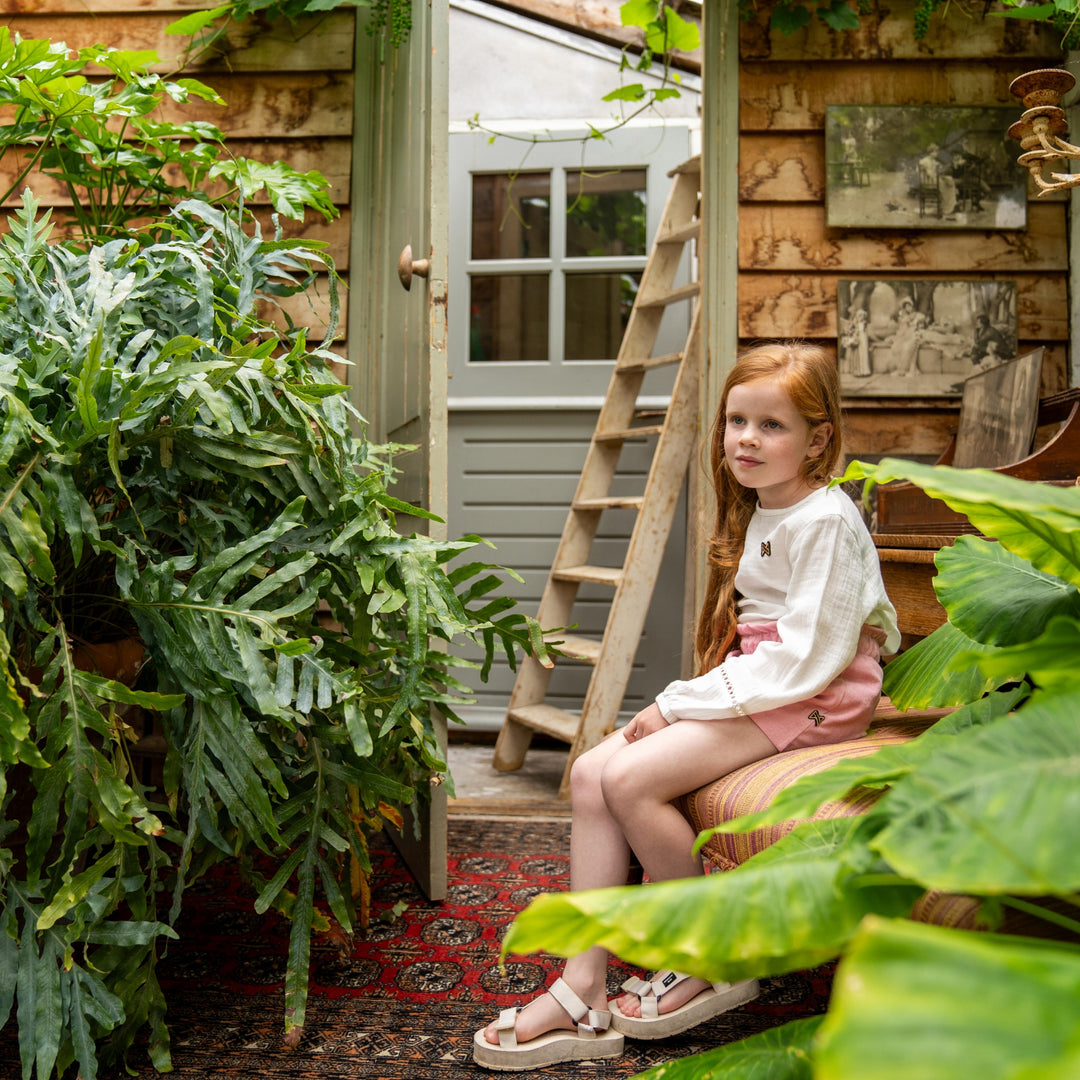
{"x":808,"y":375}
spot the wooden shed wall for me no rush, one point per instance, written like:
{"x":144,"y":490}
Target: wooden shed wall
{"x":288,"y":92}
{"x":790,"y":261}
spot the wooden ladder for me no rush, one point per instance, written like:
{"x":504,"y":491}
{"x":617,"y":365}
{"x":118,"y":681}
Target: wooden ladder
{"x":676,"y":436}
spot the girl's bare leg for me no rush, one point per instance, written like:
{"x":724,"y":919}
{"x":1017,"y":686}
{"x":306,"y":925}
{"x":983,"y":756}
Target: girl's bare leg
{"x":621,"y":800}
{"x":639,"y":784}
{"x":599,"y":857}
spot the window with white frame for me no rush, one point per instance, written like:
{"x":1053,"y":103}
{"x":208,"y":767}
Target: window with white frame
{"x":547,"y":250}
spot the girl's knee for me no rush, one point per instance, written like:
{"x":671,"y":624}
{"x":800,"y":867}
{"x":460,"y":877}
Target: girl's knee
{"x":617,"y":783}
{"x":585,"y":775}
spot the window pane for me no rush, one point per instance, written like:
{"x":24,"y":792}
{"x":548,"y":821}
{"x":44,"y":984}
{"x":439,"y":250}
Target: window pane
{"x":508,"y":318}
{"x":597,"y":309}
{"x":605,"y":214}
{"x":511,"y":216}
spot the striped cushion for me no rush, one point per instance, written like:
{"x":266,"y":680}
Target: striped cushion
{"x":753,"y":787}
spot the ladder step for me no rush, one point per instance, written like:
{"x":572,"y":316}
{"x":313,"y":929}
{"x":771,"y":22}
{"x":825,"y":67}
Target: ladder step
{"x":648,"y":363}
{"x":684,"y":292}
{"x":546,"y":718}
{"x":611,"y":656}
{"x":681,"y":233}
{"x":627,"y":433}
{"x":690,"y":167}
{"x":597,"y":575}
{"x":610,"y":502}
{"x":578,"y":648}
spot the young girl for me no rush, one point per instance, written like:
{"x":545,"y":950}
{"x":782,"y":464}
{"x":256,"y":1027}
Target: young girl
{"x":789,"y":640}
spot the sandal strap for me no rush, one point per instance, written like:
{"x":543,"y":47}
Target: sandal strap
{"x":651,"y":992}
{"x":590,"y":1022}
{"x":506,"y":1026}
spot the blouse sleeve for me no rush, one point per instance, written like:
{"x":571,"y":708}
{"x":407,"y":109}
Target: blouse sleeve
{"x":819,"y":635}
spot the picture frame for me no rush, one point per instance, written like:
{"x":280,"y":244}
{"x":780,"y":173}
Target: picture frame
{"x":998,"y":414}
{"x":908,"y":338}
{"x":922,"y":167}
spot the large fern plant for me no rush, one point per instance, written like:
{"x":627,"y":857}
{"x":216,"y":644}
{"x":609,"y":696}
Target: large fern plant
{"x":174,"y":472}
{"x":983,"y":803}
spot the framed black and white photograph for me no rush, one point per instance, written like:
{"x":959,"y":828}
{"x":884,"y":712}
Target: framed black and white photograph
{"x":907,"y":338}
{"x":998,"y":414}
{"x":930,"y":167}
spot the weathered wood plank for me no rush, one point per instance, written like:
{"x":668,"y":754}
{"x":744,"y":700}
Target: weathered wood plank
{"x":790,"y":167}
{"x":793,"y":96}
{"x":322,"y":43}
{"x":310,"y":309}
{"x":880,"y":430}
{"x":795,"y":237}
{"x":95,"y":7}
{"x":956,"y":31}
{"x":332,"y":157}
{"x":300,"y":106}
{"x":777,"y":167}
{"x":334,"y":233}
{"x":800,"y":305}
{"x":310,"y":105}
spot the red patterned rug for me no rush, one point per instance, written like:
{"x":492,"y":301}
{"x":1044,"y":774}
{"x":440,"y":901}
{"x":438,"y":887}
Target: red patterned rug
{"x":405,"y":1003}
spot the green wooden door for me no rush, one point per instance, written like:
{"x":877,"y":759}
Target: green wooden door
{"x":397,"y":336}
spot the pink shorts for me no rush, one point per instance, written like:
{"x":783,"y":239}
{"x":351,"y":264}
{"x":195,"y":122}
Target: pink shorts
{"x":843,"y":710}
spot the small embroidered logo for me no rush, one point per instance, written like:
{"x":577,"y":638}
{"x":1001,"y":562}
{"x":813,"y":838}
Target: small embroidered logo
{"x":670,"y":978}
{"x":816,"y":717}
{"x":766,"y":548}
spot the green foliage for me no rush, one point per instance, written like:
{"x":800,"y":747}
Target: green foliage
{"x":664,"y":31}
{"x":790,"y":16}
{"x":175,"y":470}
{"x":973,"y":806}
{"x":208,"y":27}
{"x":782,"y":1054}
{"x":99,"y":138}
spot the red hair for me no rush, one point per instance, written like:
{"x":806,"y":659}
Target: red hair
{"x":808,"y":376}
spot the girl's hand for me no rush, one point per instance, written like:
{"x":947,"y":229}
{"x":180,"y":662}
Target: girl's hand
{"x":647,"y":721}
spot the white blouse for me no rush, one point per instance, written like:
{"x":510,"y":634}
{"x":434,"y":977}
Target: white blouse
{"x":813,"y":570}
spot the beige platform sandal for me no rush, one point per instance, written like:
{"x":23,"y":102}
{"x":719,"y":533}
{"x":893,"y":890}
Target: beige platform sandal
{"x":593,"y":1039}
{"x":713,"y":1000}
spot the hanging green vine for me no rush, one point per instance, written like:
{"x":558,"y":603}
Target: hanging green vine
{"x":789,"y":16}
{"x":207,"y":27}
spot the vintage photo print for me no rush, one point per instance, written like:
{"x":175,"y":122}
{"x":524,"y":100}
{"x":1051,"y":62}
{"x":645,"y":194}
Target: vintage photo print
{"x":909,"y":338}
{"x":998,"y":414}
{"x":930,"y":167}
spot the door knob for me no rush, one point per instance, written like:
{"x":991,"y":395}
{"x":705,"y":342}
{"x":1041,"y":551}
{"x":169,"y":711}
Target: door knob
{"x":406,"y":267}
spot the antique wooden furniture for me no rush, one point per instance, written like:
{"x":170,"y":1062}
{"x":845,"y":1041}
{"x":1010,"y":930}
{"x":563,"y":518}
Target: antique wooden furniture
{"x":911,"y":527}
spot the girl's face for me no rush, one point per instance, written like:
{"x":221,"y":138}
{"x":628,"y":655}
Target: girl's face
{"x":767,"y":441}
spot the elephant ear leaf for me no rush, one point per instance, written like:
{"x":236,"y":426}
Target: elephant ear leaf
{"x":1009,"y":1006}
{"x":1037,"y":522}
{"x":983,"y":813}
{"x":926,"y":677}
{"x":996,"y":597}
